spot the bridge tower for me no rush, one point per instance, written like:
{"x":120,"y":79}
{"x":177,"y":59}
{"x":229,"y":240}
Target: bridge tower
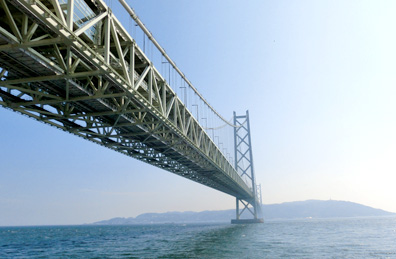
{"x":244,"y":166}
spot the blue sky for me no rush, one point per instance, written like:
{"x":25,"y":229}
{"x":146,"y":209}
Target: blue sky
{"x":316,"y":76}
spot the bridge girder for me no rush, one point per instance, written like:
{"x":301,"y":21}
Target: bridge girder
{"x":92,"y":80}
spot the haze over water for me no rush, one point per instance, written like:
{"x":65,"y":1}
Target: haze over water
{"x":311,"y":238}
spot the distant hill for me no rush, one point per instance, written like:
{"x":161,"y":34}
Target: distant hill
{"x":287,"y":210}
{"x":320,"y":209}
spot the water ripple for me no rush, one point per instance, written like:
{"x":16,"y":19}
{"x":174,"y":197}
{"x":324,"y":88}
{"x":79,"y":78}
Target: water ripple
{"x":330,"y":238}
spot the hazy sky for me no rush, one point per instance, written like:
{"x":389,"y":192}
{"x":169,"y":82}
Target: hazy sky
{"x":318,"y":78}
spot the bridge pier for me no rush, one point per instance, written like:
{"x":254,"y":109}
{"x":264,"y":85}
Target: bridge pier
{"x":247,"y":221}
{"x":244,"y":166}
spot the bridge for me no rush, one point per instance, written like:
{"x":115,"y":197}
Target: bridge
{"x":71,"y":64}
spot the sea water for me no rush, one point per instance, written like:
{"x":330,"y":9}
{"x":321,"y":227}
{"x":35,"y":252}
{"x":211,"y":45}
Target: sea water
{"x":309,"y":238}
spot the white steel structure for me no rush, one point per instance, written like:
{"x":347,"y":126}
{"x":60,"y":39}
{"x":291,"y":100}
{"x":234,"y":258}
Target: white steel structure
{"x":72,"y":65}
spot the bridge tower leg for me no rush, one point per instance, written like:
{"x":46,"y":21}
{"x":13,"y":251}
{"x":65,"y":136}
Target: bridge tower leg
{"x":244,"y":166}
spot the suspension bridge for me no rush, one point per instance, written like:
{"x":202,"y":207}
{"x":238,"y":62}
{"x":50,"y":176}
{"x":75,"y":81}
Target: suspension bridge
{"x":71,"y":64}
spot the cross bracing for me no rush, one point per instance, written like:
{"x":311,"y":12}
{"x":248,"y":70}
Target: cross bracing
{"x":244,"y":165}
{"x":72,"y":65}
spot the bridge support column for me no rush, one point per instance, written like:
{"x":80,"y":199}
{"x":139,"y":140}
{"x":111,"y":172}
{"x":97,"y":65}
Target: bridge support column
{"x":237,"y":209}
{"x":244,"y":166}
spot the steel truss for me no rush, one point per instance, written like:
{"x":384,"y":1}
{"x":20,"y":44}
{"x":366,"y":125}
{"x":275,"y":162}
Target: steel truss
{"x":81,"y":72}
{"x":244,"y":166}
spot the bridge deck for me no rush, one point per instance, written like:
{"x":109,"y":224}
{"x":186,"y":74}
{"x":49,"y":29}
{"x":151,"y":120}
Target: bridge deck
{"x":89,"y":78}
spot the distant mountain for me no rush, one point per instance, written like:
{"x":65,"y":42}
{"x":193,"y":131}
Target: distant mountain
{"x":173,"y":217}
{"x":320,"y":209}
{"x":287,"y":210}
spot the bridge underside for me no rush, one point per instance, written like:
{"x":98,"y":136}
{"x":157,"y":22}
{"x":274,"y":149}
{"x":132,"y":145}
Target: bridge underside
{"x":104,"y":89}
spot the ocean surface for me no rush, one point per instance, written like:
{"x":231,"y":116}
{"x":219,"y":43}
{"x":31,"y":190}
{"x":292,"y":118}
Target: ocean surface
{"x":309,"y":238}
